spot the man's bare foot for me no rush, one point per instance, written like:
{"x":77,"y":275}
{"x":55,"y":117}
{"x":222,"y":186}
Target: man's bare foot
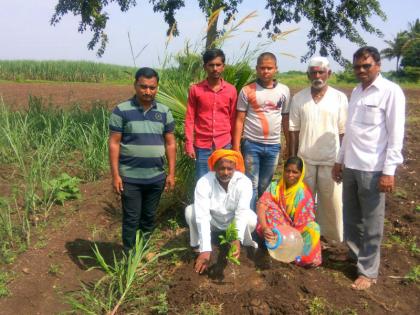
{"x":363,"y":283}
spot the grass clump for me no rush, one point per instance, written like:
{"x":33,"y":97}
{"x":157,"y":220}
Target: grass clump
{"x":54,"y":269}
{"x":4,"y":279}
{"x":124,"y":280}
{"x":413,"y":276}
{"x":206,"y":308}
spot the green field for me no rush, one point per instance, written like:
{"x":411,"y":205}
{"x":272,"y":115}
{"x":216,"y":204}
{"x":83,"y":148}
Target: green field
{"x":86,"y":71}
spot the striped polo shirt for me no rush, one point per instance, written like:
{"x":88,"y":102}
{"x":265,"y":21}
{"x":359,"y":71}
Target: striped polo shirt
{"x":142,"y":147}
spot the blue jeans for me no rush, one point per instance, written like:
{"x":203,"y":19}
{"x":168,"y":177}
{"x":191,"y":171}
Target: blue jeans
{"x":260,"y":164}
{"x":201,"y":164}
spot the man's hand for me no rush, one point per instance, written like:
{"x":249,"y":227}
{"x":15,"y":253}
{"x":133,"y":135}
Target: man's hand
{"x":386,"y":183}
{"x":269,"y":235}
{"x":117,"y":184}
{"x":170,"y":183}
{"x":202,"y":262}
{"x":191,"y":155}
{"x":285,"y":152}
{"x":237,"y":252}
{"x":337,"y":173}
{"x":236,"y":148}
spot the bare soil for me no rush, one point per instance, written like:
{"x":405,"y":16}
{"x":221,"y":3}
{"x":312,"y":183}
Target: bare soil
{"x":258,"y":286}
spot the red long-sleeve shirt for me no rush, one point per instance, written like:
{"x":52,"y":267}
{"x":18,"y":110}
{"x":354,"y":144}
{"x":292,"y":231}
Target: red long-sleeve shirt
{"x":210,"y":116}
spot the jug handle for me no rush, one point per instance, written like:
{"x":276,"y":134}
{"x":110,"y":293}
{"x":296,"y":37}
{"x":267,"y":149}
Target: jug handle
{"x":278,"y":242}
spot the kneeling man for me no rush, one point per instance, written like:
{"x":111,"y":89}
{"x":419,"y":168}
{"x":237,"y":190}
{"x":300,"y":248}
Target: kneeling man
{"x":222,"y":195}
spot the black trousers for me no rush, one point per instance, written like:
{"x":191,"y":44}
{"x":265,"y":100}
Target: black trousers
{"x":139,"y":204}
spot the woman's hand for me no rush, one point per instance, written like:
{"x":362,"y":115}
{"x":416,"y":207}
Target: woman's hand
{"x":269,"y":235}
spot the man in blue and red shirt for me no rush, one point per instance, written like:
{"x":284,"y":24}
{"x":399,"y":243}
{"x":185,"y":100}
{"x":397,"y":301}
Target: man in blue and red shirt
{"x":211,"y":110}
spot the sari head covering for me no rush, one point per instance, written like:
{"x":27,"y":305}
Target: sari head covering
{"x":230,"y":155}
{"x":294,"y":206}
{"x":290,"y":193}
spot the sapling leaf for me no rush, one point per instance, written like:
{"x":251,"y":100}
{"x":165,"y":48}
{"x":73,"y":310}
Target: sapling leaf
{"x":231,"y":234}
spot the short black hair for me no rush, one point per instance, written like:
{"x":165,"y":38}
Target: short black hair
{"x":266,"y":55}
{"x":147,"y":73}
{"x":295,"y":160}
{"x":213,"y":53}
{"x":367,"y":51}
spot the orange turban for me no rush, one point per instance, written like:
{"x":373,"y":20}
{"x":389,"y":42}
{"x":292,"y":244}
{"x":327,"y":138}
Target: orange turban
{"x":230,"y":155}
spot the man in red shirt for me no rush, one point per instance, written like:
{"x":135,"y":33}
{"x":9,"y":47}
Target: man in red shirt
{"x":211,"y":112}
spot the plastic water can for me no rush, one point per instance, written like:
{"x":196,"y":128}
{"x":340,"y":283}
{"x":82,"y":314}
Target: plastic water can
{"x":288,"y":246}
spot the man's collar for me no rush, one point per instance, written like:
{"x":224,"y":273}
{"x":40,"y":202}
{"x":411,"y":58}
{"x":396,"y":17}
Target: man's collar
{"x":136,"y":103}
{"x":377,"y":83}
{"x":259,"y":82}
{"x":222,"y":84}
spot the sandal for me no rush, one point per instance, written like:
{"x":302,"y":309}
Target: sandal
{"x":363,"y":283}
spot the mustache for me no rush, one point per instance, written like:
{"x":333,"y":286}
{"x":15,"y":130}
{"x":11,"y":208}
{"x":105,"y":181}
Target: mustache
{"x":224,"y":178}
{"x":318,"y":81}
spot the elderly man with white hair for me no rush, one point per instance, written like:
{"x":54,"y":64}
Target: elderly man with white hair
{"x":317,"y":120}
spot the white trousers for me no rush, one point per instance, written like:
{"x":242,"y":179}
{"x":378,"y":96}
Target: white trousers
{"x":194,"y":236}
{"x":328,"y":194}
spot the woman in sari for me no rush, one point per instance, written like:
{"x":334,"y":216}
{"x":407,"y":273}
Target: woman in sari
{"x":290,"y":202}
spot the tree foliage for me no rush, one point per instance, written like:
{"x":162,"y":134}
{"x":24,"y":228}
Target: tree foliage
{"x":411,"y":53}
{"x":395,"y":48}
{"x":329,"y":19}
{"x":406,"y":47}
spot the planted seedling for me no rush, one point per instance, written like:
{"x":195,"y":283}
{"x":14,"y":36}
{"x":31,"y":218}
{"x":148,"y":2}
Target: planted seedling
{"x":231,"y":235}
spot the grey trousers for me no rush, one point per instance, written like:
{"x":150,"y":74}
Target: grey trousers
{"x":363,"y":213}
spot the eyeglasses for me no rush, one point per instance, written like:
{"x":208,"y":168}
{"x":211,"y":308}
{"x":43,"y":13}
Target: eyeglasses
{"x":365,"y":66}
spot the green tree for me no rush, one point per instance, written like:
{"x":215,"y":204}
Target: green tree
{"x":411,"y":52}
{"x":395,"y":48}
{"x":329,"y":19}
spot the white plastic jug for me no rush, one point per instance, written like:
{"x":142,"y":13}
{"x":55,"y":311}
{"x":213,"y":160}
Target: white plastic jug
{"x":288,"y":245}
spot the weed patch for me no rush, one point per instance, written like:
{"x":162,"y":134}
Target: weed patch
{"x":121,"y":277}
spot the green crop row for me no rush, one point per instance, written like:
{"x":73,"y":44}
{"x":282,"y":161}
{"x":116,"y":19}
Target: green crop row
{"x":66,"y":71}
{"x":45,"y":152}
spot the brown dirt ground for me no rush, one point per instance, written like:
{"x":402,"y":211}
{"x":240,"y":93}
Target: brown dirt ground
{"x":63,"y":94}
{"x":258,"y":286}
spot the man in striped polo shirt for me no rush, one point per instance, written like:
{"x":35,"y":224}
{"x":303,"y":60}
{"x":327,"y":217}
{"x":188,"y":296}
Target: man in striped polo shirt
{"x":141,"y":133}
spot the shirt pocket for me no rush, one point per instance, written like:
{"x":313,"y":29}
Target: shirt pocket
{"x":369,"y":115}
{"x":373,"y":115}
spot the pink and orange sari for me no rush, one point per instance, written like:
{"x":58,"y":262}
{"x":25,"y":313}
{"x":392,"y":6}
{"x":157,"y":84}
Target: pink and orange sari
{"x":295,"y":207}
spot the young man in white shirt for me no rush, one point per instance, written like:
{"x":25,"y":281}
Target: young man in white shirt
{"x":367,"y":160}
{"x":317,"y":120}
{"x":222,"y":195}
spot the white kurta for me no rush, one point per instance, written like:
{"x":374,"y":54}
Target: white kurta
{"x":319,"y":125}
{"x":214,"y":208}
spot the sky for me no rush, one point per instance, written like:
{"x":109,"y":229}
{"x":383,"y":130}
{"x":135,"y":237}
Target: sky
{"x":25,"y":33}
